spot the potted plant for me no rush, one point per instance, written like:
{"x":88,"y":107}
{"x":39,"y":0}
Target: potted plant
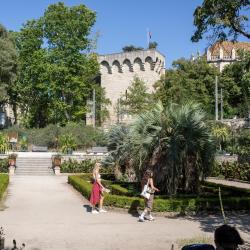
{"x":12,"y":160}
{"x":56,"y":160}
{"x":67,"y":144}
{"x":56,"y":163}
{"x":2,"y":238}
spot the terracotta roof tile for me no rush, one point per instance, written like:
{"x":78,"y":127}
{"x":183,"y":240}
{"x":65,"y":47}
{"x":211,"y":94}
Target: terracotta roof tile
{"x":227,"y":47}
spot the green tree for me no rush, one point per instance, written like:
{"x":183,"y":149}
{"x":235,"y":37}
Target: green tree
{"x":221,"y":134}
{"x":57,"y":66}
{"x":174,"y":141}
{"x":221,"y":19}
{"x":130,"y":48}
{"x":236,"y":81}
{"x":8,"y":70}
{"x":188,"y":80}
{"x":136,"y":99}
{"x":152,"y":45}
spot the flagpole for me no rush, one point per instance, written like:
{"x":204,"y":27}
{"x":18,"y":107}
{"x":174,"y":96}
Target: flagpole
{"x":148,"y":37}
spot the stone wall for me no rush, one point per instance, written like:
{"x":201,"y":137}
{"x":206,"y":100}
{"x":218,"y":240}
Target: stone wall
{"x":118,"y":71}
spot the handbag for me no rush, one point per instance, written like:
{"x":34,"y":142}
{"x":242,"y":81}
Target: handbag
{"x":146,"y":191}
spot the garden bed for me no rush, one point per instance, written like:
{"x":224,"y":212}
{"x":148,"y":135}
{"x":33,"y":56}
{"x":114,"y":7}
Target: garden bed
{"x":4,"y":181}
{"x":121,"y":198}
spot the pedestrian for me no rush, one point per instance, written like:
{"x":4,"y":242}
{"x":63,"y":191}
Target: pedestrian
{"x":148,"y":180}
{"x":97,"y":193}
{"x":227,"y":238}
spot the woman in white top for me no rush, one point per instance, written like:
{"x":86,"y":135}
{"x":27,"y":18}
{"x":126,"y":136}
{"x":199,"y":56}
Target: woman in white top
{"x":97,"y":196}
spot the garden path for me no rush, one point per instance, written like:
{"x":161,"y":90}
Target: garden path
{"x":48,"y":214}
{"x":244,"y":185}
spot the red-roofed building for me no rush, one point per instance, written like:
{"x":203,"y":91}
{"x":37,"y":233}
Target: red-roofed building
{"x":223,"y":53}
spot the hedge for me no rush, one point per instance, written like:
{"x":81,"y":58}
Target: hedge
{"x":4,"y":181}
{"x":84,"y":186}
{"x":4,"y":166}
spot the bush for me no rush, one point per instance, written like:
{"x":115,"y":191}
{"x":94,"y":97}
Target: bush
{"x":86,"y":136}
{"x":73,"y":166}
{"x":232,"y":170}
{"x":83,"y":185}
{"x":4,"y":166}
{"x":4,"y":181}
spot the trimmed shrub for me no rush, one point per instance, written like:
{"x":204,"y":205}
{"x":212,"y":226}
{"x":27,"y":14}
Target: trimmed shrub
{"x":4,"y":181}
{"x":4,"y":166}
{"x":232,"y":170}
{"x":83,"y":185}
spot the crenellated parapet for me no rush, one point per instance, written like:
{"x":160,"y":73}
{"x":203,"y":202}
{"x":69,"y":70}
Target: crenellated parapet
{"x":136,"y":61}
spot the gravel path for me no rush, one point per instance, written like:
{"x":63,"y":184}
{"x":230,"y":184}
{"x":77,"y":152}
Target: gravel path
{"x":48,"y":214}
{"x":229,"y":183}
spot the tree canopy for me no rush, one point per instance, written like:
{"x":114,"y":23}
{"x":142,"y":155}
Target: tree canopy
{"x":8,"y":67}
{"x":56,"y":66}
{"x":222,"y":19}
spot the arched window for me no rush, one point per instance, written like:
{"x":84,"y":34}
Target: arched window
{"x":149,"y":63}
{"x":138,"y":65}
{"x":105,"y":68}
{"x":116,"y":67}
{"x":127,"y":66}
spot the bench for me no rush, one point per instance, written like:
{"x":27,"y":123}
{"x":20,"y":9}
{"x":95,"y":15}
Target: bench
{"x":39,"y":148}
{"x":98,"y":150}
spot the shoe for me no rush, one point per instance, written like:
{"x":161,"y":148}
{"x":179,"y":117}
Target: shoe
{"x":150,"y":218}
{"x":141,"y":219}
{"x":95,"y":212}
{"x":102,"y":211}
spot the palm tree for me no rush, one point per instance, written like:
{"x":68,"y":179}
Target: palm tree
{"x":175,"y":142}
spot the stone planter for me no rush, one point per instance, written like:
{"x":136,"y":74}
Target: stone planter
{"x":57,"y":170}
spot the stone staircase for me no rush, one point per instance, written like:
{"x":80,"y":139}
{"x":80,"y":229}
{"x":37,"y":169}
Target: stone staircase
{"x":33,"y":166}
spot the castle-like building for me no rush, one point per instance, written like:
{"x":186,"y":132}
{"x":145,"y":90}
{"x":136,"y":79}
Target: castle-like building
{"x":119,"y":70}
{"x":223,"y":53}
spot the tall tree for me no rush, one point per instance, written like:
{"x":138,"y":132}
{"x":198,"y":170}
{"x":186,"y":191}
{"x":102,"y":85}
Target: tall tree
{"x":136,"y":99}
{"x":222,"y":19}
{"x":8,"y":69}
{"x":57,"y":66}
{"x":188,"y":80}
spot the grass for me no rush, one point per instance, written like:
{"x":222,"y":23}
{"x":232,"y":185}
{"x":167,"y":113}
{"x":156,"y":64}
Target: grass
{"x":199,"y":239}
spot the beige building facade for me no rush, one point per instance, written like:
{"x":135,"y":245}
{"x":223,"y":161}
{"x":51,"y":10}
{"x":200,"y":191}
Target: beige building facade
{"x":223,"y":53}
{"x":119,"y":70}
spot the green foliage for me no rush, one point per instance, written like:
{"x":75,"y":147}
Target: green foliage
{"x":188,"y":80}
{"x":232,"y":170}
{"x":181,"y":205}
{"x":235,"y":80}
{"x":73,"y":166}
{"x":85,"y":136}
{"x":173,"y":141}
{"x":131,"y":48}
{"x":4,"y":166}
{"x":221,"y":134}
{"x":67,"y":143}
{"x":4,"y":181}
{"x":8,"y":69}
{"x":4,"y":143}
{"x":152,"y":45}
{"x":221,"y":19}
{"x":57,"y":68}
{"x":137,"y":99}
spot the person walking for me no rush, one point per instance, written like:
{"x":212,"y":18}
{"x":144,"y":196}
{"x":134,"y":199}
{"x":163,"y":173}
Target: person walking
{"x":98,"y":189}
{"x":148,"y":180}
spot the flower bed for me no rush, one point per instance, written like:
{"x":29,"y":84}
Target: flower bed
{"x":4,"y":181}
{"x":4,"y":166}
{"x":83,"y":185}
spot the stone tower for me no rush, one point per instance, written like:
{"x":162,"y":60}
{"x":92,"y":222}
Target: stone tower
{"x":118,"y":71}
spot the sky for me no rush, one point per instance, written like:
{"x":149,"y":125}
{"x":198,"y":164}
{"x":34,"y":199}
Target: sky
{"x":120,"y":23}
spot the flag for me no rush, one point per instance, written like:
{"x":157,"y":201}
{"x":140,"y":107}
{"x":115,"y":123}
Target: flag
{"x":149,"y":35}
